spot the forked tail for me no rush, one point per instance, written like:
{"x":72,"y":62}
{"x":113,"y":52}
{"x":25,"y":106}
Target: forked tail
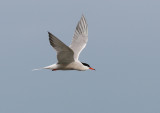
{"x":47,"y":67}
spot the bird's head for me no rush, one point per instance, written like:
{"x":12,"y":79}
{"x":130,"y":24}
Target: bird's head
{"x":87,"y":65}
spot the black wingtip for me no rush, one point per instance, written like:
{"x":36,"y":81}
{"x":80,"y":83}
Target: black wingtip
{"x":48,"y":32}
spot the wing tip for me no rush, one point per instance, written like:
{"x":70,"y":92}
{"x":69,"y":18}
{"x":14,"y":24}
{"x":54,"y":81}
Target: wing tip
{"x":83,"y":15}
{"x":49,"y":33}
{"x":82,"y":26}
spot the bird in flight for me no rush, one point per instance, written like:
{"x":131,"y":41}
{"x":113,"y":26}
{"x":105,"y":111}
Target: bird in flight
{"x":67,"y":56}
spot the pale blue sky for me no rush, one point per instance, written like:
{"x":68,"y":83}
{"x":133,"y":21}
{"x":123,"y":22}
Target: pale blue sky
{"x":123,"y":47}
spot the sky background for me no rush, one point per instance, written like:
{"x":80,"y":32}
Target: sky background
{"x":123,"y":47}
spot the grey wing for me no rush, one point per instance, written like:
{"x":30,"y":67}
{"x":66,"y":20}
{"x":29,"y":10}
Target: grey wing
{"x":80,"y":37}
{"x":64,"y":53}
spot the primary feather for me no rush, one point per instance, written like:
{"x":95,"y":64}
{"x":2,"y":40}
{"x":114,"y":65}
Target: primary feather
{"x":64,"y":53}
{"x":80,"y":37}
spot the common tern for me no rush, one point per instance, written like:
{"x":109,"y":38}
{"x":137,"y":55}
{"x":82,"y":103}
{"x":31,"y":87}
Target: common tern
{"x":67,"y":56}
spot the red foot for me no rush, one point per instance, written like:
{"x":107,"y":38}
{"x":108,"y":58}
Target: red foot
{"x":53,"y":69}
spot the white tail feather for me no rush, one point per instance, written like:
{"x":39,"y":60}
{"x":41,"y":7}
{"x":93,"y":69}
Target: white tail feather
{"x":37,"y":69}
{"x":47,"y":67}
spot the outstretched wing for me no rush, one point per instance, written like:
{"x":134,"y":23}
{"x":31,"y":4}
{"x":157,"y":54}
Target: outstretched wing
{"x":64,"y":53}
{"x":80,"y":37}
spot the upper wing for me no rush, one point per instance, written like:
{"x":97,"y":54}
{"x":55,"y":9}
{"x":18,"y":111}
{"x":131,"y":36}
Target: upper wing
{"x":80,"y":37}
{"x":64,"y":53}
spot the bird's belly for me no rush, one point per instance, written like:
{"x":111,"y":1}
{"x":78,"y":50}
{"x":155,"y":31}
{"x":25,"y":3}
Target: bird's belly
{"x":74,"y":66}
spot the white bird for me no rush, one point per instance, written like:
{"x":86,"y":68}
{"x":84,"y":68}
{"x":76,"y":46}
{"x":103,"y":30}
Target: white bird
{"x":68,"y":56}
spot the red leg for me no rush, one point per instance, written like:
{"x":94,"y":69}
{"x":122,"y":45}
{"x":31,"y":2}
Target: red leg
{"x":53,"y":69}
